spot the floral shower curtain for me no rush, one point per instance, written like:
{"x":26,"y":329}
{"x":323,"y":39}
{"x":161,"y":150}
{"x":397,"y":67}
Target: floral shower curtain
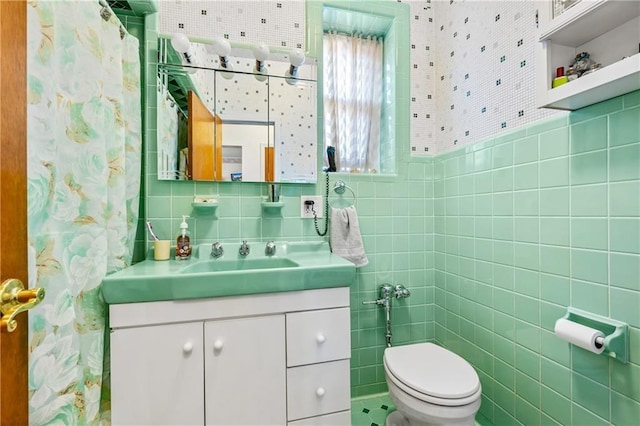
{"x":84,"y":143}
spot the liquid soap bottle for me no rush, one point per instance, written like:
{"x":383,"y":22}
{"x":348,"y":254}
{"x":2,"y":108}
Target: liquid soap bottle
{"x":183,"y":242}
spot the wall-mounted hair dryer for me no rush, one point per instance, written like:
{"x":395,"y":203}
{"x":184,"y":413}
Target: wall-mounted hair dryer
{"x":331,"y":158}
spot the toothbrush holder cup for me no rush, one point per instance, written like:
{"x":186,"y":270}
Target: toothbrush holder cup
{"x":274,"y":193}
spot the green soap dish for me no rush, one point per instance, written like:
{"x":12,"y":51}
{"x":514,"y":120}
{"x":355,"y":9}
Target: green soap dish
{"x":272,"y":208}
{"x":205,"y":204}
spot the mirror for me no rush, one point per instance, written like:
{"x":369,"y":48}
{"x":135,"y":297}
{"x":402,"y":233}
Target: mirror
{"x":216,"y":124}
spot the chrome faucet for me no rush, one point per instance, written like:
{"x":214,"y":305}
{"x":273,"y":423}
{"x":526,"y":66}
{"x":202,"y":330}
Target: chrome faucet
{"x":244,"y":249}
{"x":216,"y":250}
{"x":270,"y":249}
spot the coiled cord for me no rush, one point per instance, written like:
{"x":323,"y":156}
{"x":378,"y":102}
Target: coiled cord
{"x":326,"y":211}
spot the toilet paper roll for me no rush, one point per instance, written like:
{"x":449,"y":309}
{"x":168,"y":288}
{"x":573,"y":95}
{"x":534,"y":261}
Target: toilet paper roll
{"x":580,"y":335}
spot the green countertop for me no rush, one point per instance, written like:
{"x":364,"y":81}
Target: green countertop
{"x":295,"y":266}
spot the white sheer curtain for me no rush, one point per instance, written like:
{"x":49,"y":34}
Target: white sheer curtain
{"x":352,"y":101}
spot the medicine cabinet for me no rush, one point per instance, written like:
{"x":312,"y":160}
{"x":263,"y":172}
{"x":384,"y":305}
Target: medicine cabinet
{"x":235,"y":124}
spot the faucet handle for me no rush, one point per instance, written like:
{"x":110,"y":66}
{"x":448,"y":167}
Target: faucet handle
{"x":270,"y":249}
{"x":217,"y":250}
{"x":244,"y":248}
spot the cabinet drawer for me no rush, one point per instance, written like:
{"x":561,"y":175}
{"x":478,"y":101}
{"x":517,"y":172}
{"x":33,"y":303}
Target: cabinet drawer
{"x":343,"y":418}
{"x":318,"y":389}
{"x":318,"y":336}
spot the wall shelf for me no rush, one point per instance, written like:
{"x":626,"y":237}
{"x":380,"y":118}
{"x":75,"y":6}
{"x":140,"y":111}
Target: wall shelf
{"x":608,"y":30}
{"x":205,"y":205}
{"x":272,"y":207}
{"x":611,"y":81}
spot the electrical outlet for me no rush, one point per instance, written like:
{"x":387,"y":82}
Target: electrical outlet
{"x":309,"y":204}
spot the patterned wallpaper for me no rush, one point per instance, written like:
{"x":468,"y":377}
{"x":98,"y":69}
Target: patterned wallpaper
{"x":472,"y":62}
{"x":276,"y":23}
{"x":423,"y":81}
{"x":484,"y":69}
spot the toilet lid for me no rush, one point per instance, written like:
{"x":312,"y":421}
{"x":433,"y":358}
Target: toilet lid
{"x":432,"y":370}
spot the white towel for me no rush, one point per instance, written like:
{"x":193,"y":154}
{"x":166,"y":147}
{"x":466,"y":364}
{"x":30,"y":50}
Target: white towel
{"x":346,"y":240}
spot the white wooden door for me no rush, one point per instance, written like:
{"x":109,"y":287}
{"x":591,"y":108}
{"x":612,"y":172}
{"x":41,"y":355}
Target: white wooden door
{"x":157,"y":375}
{"x":245,"y":377}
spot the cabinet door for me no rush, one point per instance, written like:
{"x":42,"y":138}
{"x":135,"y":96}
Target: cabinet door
{"x":245,"y":378}
{"x":156,"y":375}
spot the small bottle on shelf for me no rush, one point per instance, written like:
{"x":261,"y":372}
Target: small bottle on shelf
{"x":560,"y":78}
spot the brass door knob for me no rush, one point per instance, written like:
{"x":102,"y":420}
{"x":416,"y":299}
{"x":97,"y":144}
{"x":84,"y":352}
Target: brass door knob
{"x":14,"y":298}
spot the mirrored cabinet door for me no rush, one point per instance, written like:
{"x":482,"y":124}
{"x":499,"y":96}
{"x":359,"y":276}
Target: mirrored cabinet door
{"x":292,"y":109}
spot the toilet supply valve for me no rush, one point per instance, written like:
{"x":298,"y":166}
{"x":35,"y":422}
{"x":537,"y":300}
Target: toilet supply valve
{"x":400,"y":291}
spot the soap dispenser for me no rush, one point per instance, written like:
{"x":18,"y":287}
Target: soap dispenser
{"x":183,"y":242}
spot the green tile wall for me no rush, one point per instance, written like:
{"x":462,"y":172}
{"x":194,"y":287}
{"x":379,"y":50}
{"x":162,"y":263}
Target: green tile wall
{"x":526,"y":225}
{"x":135,"y":25}
{"x":494,"y":241}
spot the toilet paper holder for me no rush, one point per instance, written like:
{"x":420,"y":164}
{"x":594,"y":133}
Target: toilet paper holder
{"x":616,"y":341}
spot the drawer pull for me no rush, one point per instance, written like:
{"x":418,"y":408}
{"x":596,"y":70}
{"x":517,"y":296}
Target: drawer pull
{"x":217,"y":345}
{"x":320,"y":392}
{"x":187,"y":348}
{"x":320,"y":338}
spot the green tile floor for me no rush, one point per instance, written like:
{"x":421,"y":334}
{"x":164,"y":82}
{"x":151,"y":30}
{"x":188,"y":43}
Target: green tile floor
{"x":373,"y":410}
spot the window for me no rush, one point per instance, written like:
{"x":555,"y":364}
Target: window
{"x":352,"y":92}
{"x":389,"y":23}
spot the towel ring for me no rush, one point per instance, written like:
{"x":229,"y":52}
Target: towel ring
{"x":340,"y":188}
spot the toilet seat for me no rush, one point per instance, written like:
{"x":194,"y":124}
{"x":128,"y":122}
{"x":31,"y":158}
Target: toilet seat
{"x":432,"y":374}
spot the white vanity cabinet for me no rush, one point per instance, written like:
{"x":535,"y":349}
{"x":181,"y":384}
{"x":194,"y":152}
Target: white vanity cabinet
{"x":608,"y":30}
{"x":268,"y":359}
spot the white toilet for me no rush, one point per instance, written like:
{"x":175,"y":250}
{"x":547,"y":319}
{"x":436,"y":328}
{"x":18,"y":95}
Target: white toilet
{"x":430,"y":386}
